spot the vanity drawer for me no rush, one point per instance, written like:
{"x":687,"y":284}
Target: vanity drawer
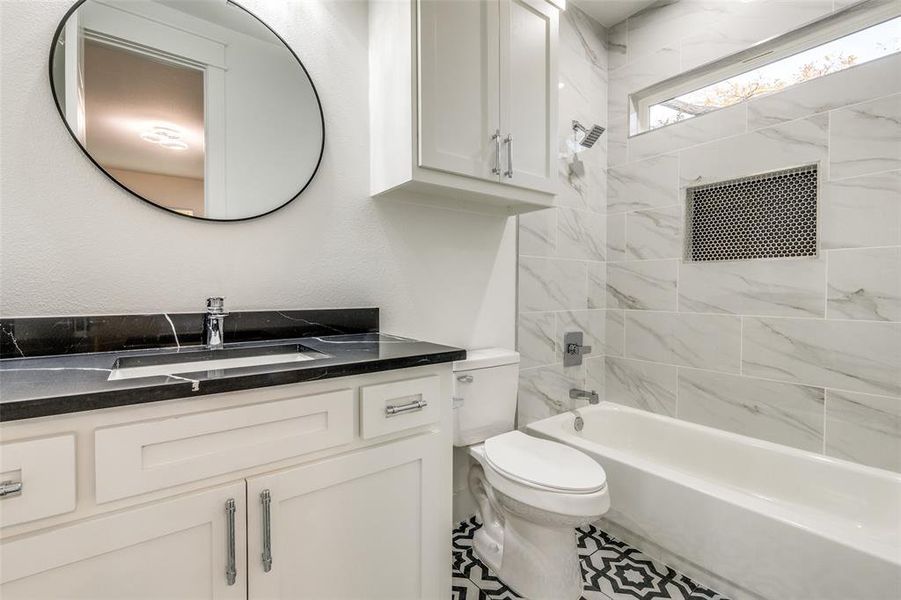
{"x":46,"y":470}
{"x":398,"y":405}
{"x":141,"y":457}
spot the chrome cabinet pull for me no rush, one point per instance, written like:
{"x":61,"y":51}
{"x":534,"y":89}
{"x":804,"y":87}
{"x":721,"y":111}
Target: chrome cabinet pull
{"x":266,"y":500}
{"x":509,"y":141}
{"x":231,"y":572}
{"x":496,"y":138}
{"x":10,"y":488}
{"x":391,"y":411}
{"x":464,"y":378}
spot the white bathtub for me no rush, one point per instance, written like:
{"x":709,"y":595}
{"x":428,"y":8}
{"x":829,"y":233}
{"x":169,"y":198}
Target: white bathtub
{"x":770,"y":520}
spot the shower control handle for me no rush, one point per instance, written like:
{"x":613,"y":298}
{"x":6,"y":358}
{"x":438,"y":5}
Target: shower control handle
{"x":496,"y":138}
{"x":509,"y":141}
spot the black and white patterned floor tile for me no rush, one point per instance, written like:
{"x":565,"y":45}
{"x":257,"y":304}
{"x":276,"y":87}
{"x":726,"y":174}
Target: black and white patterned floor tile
{"x":611,"y":570}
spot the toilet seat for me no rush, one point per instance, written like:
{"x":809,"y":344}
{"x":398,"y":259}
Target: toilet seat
{"x":544,"y":464}
{"x":534,"y":484}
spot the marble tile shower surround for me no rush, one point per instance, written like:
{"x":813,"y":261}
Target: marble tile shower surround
{"x":563,"y":250}
{"x":804,"y":352}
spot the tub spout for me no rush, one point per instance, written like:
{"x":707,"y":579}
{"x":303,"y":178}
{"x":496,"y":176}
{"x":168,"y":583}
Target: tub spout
{"x":591,"y":395}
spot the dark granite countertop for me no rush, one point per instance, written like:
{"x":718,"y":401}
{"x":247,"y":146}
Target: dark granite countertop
{"x":48,"y":385}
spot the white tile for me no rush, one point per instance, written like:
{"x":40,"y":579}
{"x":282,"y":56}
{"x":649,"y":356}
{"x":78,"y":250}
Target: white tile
{"x":583,"y":36}
{"x":865,"y":138}
{"x":664,"y":24}
{"x":864,"y":428}
{"x":703,"y":341}
{"x":726,"y":122}
{"x":544,"y":391}
{"x":642,"y":285}
{"x":617,"y":44}
{"x":616,"y":236}
{"x":644,"y":385}
{"x":654,"y":233}
{"x":535,"y":339}
{"x":597,"y":285}
{"x":851,"y":86}
{"x":791,"y":287}
{"x":865,"y":284}
{"x":789,"y":145}
{"x":595,"y":375}
{"x":744,"y":24}
{"x":615,"y":334}
{"x":783,"y":413}
{"x":853,"y":355}
{"x":552,"y":284}
{"x":862,"y":211}
{"x":538,"y":232}
{"x":651,"y":183}
{"x":581,"y":234}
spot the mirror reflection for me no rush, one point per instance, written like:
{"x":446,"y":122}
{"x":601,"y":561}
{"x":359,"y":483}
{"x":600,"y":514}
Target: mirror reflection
{"x":193,"y":105}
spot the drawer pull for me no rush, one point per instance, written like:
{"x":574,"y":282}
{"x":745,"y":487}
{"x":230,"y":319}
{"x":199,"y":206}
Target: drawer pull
{"x":392,"y":411}
{"x":10,"y":488}
{"x":231,"y":572}
{"x":266,"y":500}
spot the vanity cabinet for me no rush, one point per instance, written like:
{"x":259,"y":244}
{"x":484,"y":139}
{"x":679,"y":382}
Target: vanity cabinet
{"x":177,"y":548}
{"x":463,"y":102}
{"x":355,"y":526}
{"x":344,"y":483}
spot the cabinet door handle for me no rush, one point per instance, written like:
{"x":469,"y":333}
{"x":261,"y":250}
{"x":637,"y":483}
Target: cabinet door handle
{"x":509,"y":141}
{"x":400,"y":409}
{"x":231,"y":572}
{"x":496,"y":138}
{"x":266,"y":500}
{"x":10,"y":488}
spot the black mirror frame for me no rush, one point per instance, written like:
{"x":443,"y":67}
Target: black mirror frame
{"x":55,"y":42}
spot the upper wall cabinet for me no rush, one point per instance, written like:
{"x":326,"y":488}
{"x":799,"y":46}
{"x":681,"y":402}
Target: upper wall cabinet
{"x":463,"y":102}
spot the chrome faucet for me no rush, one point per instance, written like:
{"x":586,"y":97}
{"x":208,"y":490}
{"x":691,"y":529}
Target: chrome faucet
{"x":592,"y":395}
{"x":213,"y":323}
{"x":575,"y":394}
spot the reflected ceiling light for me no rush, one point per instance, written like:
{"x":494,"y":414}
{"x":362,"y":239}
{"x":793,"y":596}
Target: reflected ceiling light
{"x":167,"y":137}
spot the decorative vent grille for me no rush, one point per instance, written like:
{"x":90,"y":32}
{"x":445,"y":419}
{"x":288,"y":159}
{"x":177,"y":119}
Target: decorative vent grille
{"x":773,"y":215}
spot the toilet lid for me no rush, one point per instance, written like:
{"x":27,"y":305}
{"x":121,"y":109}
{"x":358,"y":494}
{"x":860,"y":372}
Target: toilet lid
{"x":544,"y":463}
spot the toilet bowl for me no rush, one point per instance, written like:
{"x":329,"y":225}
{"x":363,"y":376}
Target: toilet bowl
{"x":531,"y":493}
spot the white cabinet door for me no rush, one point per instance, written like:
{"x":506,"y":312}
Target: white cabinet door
{"x":528,"y":93}
{"x":371,"y":524}
{"x":175,"y":548}
{"x":458,"y":86}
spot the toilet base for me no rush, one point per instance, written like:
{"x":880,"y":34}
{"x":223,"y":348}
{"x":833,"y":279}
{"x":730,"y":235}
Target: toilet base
{"x":539,"y":563}
{"x":534,"y":552}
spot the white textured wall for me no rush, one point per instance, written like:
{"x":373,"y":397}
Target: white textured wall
{"x":74,"y":243}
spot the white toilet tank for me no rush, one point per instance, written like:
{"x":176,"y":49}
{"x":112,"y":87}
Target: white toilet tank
{"x":485,"y":387}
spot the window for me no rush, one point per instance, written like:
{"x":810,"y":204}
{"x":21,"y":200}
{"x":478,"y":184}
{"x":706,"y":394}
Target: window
{"x":838,"y":42}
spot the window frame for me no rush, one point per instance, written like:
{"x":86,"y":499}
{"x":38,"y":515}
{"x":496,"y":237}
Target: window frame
{"x":832,"y":27}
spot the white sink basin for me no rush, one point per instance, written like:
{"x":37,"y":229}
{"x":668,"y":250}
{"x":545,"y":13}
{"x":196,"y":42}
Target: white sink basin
{"x":194,"y":361}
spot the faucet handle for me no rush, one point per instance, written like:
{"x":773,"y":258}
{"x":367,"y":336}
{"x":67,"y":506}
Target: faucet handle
{"x":215,"y":305}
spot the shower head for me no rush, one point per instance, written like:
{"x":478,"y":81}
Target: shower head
{"x":586,"y":137}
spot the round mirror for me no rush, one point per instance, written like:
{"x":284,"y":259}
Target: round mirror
{"x":193,"y":105}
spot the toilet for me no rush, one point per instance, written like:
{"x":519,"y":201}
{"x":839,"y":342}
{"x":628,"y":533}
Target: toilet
{"x":531,"y":493}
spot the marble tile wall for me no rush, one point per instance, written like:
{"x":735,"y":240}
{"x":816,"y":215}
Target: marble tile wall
{"x":804,"y":352}
{"x":563,"y":250}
